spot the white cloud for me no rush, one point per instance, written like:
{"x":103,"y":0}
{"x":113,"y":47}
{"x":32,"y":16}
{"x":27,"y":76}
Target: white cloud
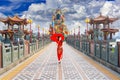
{"x":79,"y":12}
{"x":37,"y":7}
{"x":95,"y":3}
{"x":75,"y":13}
{"x":51,"y":4}
{"x":66,"y":1}
{"x":66,"y":9}
{"x":36,"y":12}
{"x":106,"y":8}
{"x":2,"y":15}
{"x":117,"y":1}
{"x":12,"y":6}
{"x":111,"y":9}
{"x":115,"y":11}
{"x":6,"y":8}
{"x":75,"y":25}
{"x":2,"y":25}
{"x":116,"y":24}
{"x":79,"y":9}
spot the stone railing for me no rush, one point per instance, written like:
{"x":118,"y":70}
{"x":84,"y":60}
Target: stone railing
{"x":106,"y":52}
{"x":11,"y":55}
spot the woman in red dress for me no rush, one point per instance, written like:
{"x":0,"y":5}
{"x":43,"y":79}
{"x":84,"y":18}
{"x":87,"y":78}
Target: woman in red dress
{"x":58,"y":38}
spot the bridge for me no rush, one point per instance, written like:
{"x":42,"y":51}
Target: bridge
{"x":94,"y":55}
{"x":75,"y":65}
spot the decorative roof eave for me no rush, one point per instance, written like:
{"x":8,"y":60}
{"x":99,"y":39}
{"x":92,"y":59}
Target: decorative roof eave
{"x":4,"y":20}
{"x":14,"y":20}
{"x":96,"y":22}
{"x":110,"y":30}
{"x":102,"y":19}
{"x":112,"y":19}
{"x":99,"y":19}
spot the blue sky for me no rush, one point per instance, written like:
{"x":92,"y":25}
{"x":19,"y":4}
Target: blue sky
{"x":11,"y":7}
{"x":75,"y":11}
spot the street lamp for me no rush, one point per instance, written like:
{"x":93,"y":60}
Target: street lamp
{"x":48,"y":32}
{"x":87,"y":20}
{"x":79,"y":32}
{"x":30,"y":22}
{"x":74,"y":38}
{"x":38,"y":31}
{"x":43,"y":30}
{"x":71,"y":32}
{"x":43,"y":36}
{"x":74,"y":33}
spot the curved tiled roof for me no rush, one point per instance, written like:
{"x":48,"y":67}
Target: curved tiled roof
{"x":102,"y":19}
{"x":14,"y":20}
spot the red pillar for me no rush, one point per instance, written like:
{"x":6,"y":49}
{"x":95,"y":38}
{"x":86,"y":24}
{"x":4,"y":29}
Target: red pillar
{"x":105,"y":35}
{"x":110,"y":35}
{"x":27,"y":48}
{"x":30,"y":34}
{"x":38,"y":33}
{"x":79,"y":33}
{"x":74,"y":39}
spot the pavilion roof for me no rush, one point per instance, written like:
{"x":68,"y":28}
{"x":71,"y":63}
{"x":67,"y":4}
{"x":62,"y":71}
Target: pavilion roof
{"x":110,"y":30}
{"x":102,"y":19}
{"x":14,"y":20}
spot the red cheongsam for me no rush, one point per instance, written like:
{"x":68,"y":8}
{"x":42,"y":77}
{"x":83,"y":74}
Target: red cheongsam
{"x":54,"y":37}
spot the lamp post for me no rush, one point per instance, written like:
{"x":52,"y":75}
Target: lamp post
{"x":87,"y":20}
{"x":74,"y":38}
{"x":30,"y":21}
{"x":74,"y":33}
{"x":71,"y":32}
{"x":43,"y":36}
{"x":38,"y":32}
{"x":45,"y":31}
{"x":79,"y":32}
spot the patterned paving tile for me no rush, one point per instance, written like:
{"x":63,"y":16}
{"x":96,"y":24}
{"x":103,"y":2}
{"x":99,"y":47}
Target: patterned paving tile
{"x":31,"y":70}
{"x":88,"y":70}
{"x":69,"y":70}
{"x":72,"y":67}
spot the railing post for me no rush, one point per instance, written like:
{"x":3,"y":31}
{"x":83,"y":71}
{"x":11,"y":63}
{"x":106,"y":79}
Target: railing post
{"x":118,"y":44}
{"x":43,"y":39}
{"x":26,"y":47}
{"x":6,"y":55}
